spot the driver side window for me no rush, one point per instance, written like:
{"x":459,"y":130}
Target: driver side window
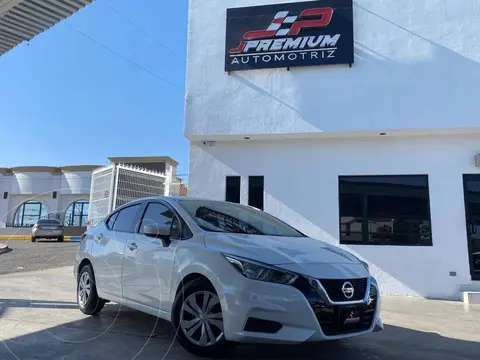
{"x":161,"y":215}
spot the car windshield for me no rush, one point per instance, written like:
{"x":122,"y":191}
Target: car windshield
{"x":234,"y":218}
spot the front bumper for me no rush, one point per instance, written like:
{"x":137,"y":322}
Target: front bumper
{"x":290,"y":307}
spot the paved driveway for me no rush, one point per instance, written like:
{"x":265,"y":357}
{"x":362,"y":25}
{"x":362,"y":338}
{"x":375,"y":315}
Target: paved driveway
{"x":43,"y":254}
{"x":39,"y":320}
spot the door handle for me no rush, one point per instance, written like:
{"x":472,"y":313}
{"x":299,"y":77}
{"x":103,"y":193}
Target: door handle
{"x":132,"y":246}
{"x":98,"y":237}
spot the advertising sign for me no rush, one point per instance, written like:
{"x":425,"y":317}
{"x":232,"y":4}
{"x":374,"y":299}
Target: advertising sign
{"x":286,"y":35}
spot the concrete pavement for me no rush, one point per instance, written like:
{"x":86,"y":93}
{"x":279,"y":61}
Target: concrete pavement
{"x":39,"y":320}
{"x":28,"y":256}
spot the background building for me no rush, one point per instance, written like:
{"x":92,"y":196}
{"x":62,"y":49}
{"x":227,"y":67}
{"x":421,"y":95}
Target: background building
{"x":32,"y":192}
{"x":374,"y":153}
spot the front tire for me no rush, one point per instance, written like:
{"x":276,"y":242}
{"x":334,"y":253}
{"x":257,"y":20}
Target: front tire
{"x":87,"y":297}
{"x":197,"y":319}
{"x":60,"y":239}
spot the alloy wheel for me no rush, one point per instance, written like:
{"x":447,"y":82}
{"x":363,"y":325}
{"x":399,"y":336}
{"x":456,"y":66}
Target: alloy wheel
{"x":84,"y":288}
{"x":201,"y":318}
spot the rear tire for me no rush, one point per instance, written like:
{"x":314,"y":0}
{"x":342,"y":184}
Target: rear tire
{"x":34,"y":239}
{"x":207,"y":327}
{"x":60,"y":239}
{"x":87,"y":297}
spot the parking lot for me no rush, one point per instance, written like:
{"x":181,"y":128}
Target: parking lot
{"x":39,"y":320}
{"x":28,"y":256}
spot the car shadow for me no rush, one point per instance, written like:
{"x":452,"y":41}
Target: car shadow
{"x":48,"y":241}
{"x":123,"y":334}
{"x":44,"y":304}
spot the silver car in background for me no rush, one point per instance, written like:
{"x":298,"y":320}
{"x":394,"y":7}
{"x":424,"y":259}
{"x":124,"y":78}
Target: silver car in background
{"x":47,"y":229}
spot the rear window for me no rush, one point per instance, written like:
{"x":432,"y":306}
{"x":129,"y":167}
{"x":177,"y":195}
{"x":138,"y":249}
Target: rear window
{"x":48,"y":222}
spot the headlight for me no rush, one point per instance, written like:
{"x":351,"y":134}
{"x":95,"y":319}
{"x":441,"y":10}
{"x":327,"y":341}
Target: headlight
{"x":257,"y":271}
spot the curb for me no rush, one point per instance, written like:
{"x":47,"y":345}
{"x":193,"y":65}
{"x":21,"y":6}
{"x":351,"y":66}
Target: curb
{"x":26,"y":237}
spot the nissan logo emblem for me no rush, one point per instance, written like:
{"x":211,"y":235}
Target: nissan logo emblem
{"x":348,"y":290}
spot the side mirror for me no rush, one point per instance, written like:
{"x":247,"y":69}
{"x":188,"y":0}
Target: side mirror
{"x":158,"y":231}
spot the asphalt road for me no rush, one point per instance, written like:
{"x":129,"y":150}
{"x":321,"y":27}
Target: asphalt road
{"x":28,"y":256}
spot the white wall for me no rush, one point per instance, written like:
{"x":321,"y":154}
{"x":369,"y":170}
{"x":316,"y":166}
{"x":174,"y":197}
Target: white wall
{"x":33,"y":183}
{"x":417,"y":65}
{"x":301,"y":187}
{"x":76,"y":182}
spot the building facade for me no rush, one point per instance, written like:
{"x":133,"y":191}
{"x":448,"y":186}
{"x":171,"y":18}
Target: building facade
{"x":31,"y":192}
{"x":355,"y":123}
{"x":28,"y":193}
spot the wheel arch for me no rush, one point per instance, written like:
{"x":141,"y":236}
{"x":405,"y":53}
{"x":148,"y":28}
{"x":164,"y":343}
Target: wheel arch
{"x":82,"y":264}
{"x":193,"y":274}
{"x":190,"y":277}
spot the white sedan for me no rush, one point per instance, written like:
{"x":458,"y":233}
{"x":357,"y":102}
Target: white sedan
{"x":224,"y":273}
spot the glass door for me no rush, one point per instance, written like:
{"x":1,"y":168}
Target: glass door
{"x":471,"y":184}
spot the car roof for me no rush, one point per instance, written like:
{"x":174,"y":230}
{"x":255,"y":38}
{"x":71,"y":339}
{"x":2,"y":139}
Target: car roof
{"x":168,"y":199}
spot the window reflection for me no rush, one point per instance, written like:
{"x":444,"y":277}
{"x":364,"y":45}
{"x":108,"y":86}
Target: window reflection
{"x":28,"y":213}
{"x":77,"y":214}
{"x":385,"y":210}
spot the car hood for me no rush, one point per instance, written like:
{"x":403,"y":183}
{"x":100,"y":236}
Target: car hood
{"x":276,"y":250}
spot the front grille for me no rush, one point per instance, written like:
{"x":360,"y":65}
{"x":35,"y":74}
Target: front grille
{"x":333,"y":287}
{"x":345,"y":319}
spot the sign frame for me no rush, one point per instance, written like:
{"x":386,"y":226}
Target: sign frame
{"x":296,"y":34}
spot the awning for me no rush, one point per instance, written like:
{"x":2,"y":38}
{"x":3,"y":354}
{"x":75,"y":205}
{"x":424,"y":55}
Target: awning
{"x":22,"y":20}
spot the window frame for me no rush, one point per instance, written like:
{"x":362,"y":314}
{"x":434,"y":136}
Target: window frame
{"x":183,"y":223}
{"x":364,"y":233}
{"x":140,"y":206}
{"x":83,"y":217}
{"x":115,"y":213}
{"x":22,"y":206}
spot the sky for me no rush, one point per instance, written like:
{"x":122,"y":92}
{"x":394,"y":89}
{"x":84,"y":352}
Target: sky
{"x":66,"y":100}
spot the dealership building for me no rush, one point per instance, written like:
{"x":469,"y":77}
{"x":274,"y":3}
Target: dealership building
{"x":358,"y":124}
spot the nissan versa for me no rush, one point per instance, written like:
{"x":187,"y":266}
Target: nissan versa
{"x":223,"y":273}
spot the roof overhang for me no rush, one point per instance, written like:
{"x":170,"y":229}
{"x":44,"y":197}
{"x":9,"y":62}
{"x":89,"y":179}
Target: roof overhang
{"x":22,"y":20}
{"x":143,"y":159}
{"x":54,"y":170}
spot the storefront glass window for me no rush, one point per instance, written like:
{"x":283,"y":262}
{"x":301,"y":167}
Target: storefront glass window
{"x":385,"y":210}
{"x":77,"y":214}
{"x":28,"y":213}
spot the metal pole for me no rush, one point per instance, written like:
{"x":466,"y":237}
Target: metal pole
{"x":113,"y":189}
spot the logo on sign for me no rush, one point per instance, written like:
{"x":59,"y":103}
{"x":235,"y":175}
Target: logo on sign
{"x":292,"y":37}
{"x":260,"y":40}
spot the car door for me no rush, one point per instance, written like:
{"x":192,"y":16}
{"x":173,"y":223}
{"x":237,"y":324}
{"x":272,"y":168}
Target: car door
{"x":110,"y":240}
{"x":148,"y":264}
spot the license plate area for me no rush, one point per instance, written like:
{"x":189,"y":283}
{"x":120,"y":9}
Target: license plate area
{"x":346,"y":319}
{"x":350,"y":315}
